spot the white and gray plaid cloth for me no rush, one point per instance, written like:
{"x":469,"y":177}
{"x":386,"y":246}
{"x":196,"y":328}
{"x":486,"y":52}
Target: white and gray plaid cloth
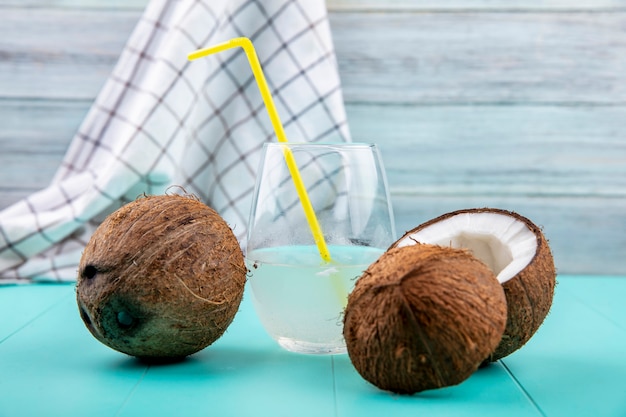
{"x":162,"y":121}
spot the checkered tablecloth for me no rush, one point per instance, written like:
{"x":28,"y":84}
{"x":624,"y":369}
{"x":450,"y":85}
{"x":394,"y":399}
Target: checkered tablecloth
{"x":164,"y":124}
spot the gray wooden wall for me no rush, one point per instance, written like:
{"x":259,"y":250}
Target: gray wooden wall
{"x":509,"y":104}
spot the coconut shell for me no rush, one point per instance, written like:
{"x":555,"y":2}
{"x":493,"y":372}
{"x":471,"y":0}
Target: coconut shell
{"x":529,"y":293}
{"x":529,"y":296}
{"x":423,"y":317}
{"x":161,"y":278}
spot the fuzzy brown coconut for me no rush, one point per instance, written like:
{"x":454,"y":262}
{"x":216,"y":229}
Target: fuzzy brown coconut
{"x":423,"y":317}
{"x":518,"y":253}
{"x":161,"y":278}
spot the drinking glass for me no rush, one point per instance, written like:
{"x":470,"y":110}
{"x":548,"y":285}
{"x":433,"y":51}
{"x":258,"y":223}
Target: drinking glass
{"x":298,"y":294}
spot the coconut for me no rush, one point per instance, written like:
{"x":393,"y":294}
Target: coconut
{"x":517,"y":252}
{"x":423,"y":317}
{"x":161,"y":278}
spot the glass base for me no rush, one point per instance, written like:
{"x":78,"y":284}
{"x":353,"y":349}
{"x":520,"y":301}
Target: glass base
{"x":309,"y":348}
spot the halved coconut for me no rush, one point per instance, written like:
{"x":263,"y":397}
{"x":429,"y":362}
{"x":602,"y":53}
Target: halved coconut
{"x":516,"y":251}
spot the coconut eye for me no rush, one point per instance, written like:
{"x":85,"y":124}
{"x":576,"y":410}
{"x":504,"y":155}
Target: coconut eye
{"x":89,"y":272}
{"x":125,"y":319}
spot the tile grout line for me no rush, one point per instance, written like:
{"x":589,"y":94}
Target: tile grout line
{"x":524,"y":391}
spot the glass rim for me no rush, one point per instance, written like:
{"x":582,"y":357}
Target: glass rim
{"x":320,"y":144}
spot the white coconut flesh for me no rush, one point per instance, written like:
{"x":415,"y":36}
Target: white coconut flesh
{"x":505,"y":244}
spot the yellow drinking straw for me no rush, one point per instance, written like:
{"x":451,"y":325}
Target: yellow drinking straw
{"x":248,"y":47}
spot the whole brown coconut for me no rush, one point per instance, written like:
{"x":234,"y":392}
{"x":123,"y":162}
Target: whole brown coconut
{"x":423,"y":317}
{"x":518,"y":253}
{"x":161,"y":278}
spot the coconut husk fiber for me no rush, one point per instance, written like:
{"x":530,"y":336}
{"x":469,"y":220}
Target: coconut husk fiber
{"x":162,"y":277}
{"x":423,"y":317}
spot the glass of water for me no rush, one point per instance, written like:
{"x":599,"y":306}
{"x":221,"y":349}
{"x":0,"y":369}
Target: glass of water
{"x":299,"y":295}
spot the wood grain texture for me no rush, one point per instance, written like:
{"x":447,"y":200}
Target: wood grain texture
{"x":429,"y":58}
{"x":540,"y":151}
{"x":573,"y":366}
{"x":76,"y":4}
{"x":481,"y":57}
{"x":60,"y":54}
{"x":362,"y":5}
{"x":34,"y":136}
{"x":517,"y":105}
{"x":486,"y":5}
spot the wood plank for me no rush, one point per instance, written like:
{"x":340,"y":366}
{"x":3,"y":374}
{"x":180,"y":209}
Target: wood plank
{"x":98,"y":381}
{"x":28,"y":171}
{"x":491,"y":387}
{"x":60,"y":54}
{"x":245,"y":359}
{"x":564,"y":167}
{"x":428,"y":57}
{"x":361,"y":5}
{"x":576,"y":363}
{"x":488,"y":5}
{"x":604,"y":295}
{"x":76,"y":4}
{"x":498,"y":150}
{"x":39,"y":126}
{"x":34,"y":134}
{"x":572,"y":366}
{"x":57,"y":368}
{"x":54,"y":80}
{"x":41,"y":298}
{"x":473,"y":57}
